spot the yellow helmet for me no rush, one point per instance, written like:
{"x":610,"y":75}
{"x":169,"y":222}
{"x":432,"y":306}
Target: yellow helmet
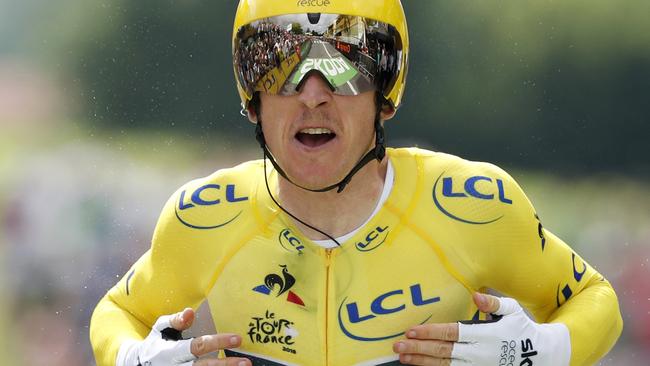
{"x":373,"y":15}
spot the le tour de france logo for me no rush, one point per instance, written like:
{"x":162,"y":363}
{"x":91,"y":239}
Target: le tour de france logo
{"x":209,"y":206}
{"x":270,"y":328}
{"x":386,"y":313}
{"x":273,"y":329}
{"x":454,"y":196}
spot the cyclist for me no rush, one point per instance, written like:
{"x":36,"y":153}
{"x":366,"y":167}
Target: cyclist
{"x":340,"y":251}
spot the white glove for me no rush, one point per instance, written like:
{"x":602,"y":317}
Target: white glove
{"x":156,"y":351}
{"x":514,"y":339}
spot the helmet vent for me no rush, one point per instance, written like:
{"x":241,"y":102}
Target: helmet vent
{"x":314,"y":18}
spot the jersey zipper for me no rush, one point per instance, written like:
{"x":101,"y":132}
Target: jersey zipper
{"x":328,"y":259}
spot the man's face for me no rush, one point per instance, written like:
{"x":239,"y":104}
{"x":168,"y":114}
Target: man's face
{"x":316,"y":136}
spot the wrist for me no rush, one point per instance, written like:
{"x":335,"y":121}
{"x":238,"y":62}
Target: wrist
{"x":558,"y":340}
{"x":128,"y":353}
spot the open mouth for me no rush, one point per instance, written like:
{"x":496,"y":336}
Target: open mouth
{"x":315,"y":137}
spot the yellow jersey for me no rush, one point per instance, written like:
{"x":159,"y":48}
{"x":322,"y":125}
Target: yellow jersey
{"x":448,"y":228}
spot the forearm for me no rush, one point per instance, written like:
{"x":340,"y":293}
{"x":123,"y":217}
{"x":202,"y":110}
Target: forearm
{"x":594,"y":321}
{"x":110,"y":325}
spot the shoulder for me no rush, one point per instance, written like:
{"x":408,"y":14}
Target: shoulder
{"x":242,"y":175}
{"x":216,"y":200}
{"x":465,"y":191}
{"x":439,"y":164}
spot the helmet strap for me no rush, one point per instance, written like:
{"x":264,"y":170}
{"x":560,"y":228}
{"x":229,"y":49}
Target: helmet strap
{"x":378,"y":152}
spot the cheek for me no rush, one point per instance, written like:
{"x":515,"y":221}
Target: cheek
{"x":363,"y":120}
{"x":360,"y":109}
{"x":272,"y":131}
{"x":268,"y":107}
{"x":276,"y":112}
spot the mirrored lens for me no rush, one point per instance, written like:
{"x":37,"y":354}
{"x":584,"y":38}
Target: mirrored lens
{"x":354,"y":54}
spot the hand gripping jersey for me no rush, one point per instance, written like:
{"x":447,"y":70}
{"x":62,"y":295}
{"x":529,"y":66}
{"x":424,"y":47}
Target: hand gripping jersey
{"x":448,"y":228}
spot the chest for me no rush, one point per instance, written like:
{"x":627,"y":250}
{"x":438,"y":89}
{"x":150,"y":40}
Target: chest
{"x":300,"y":304}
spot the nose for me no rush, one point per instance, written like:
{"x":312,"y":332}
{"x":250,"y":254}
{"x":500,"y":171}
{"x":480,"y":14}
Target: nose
{"x":314,"y":91}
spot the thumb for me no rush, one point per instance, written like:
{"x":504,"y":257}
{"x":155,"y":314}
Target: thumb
{"x":182,"y":320}
{"x":486,"y":303}
{"x":496,"y":305}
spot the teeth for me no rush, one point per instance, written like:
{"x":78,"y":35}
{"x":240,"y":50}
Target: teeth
{"x":316,"y":131}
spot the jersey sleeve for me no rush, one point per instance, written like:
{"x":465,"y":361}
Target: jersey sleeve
{"x":169,"y":277}
{"x":527,"y":262}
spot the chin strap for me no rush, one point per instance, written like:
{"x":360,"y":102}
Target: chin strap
{"x":378,"y":152}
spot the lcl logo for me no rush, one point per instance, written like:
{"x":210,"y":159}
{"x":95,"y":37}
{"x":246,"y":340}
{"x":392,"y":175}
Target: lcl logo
{"x":355,"y":313}
{"x":447,"y":194}
{"x":374,"y":239}
{"x":209,"y":195}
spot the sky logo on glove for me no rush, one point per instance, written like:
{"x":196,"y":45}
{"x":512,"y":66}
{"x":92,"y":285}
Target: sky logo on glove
{"x":528,"y":352}
{"x":508,"y":352}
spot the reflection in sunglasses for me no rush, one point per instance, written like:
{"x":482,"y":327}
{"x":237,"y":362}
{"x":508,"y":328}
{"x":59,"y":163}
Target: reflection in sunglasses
{"x":352,"y":53}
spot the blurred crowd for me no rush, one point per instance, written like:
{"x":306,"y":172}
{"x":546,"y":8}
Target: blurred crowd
{"x":74,"y":219}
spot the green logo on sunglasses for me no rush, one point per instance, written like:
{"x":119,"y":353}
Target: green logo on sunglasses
{"x":337,"y":70}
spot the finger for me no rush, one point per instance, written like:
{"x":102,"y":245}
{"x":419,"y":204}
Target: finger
{"x":438,"y":349}
{"x":210,"y":343}
{"x":230,"y":361}
{"x":439,"y":331}
{"x":183,"y":320}
{"x":486,"y":303}
{"x":423,"y":360}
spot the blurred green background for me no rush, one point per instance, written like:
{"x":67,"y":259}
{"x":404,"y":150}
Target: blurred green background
{"x":107,"y":107}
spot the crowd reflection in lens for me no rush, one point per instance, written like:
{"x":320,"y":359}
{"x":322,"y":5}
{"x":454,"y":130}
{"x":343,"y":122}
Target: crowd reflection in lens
{"x":373,"y":48}
{"x":264,"y":50}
